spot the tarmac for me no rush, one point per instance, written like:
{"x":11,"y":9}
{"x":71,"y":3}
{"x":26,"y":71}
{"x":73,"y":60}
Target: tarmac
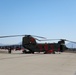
{"x":37,"y":64}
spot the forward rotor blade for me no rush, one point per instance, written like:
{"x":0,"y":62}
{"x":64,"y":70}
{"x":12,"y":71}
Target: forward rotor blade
{"x":49,"y":39}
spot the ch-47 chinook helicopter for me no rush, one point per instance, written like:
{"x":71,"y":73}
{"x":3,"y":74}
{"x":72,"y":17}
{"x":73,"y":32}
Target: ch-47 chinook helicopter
{"x":30,"y":45}
{"x":29,"y":42}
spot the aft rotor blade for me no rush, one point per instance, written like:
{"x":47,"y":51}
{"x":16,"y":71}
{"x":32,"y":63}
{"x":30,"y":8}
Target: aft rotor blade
{"x":70,"y":41}
{"x":39,"y":37}
{"x":10,"y":36}
{"x":21,"y":35}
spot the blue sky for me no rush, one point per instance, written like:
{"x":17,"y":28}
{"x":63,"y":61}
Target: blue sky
{"x":53,"y":19}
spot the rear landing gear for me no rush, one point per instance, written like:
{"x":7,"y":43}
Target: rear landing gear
{"x":27,"y":52}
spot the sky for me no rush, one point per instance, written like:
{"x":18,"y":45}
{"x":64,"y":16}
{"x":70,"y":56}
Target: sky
{"x":53,"y":19}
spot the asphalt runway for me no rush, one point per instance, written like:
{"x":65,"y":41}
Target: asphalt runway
{"x":37,"y":64}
